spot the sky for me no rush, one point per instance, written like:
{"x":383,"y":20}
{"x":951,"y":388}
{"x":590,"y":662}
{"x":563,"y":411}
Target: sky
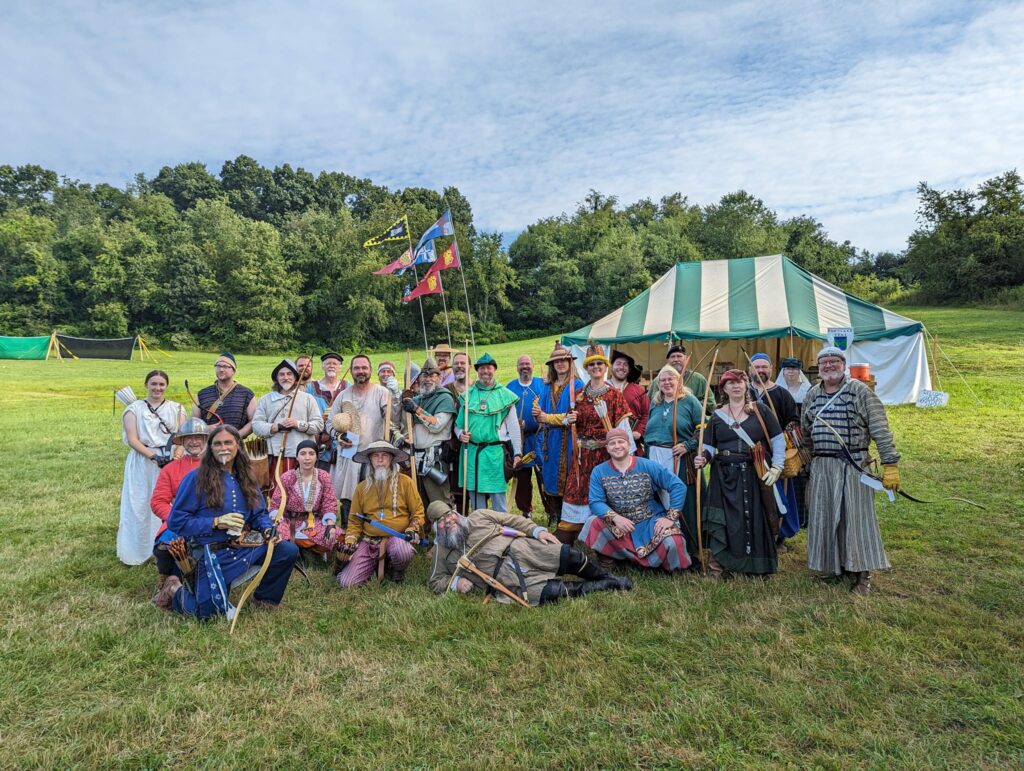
{"x":837,"y":110}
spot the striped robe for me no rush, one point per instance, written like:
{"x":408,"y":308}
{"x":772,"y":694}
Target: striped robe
{"x":842,"y":529}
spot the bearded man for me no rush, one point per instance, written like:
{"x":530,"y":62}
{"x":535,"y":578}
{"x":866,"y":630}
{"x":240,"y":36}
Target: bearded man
{"x":773,"y":398}
{"x":460,"y":373}
{"x":521,"y":555}
{"x":226,"y":401}
{"x":371,"y":402}
{"x":389,"y":497}
{"x":841,"y":417}
{"x":527,"y":390}
{"x":625,"y":378}
{"x":192,"y":437}
{"x":491,"y":420}
{"x":433,"y":411}
{"x":443,"y":357}
{"x":215,"y":504}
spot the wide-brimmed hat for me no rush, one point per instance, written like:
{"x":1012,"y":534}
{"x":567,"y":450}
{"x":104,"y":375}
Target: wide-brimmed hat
{"x":635,"y":370}
{"x":191,"y":427}
{"x":443,"y":348}
{"x":560,"y":353}
{"x":285,"y":364}
{"x":346,"y":419}
{"x":363,"y":456}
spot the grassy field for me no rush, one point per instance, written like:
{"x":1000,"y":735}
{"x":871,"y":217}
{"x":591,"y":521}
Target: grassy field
{"x":680,"y":673}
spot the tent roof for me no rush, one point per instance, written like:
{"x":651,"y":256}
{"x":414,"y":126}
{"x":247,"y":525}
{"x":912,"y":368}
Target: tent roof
{"x":742,"y":298}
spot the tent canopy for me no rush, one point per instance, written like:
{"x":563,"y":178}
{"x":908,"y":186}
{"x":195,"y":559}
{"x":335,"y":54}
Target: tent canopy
{"x":751,"y":297}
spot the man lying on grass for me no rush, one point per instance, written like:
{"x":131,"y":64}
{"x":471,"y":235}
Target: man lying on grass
{"x":523,"y":561}
{"x":215,"y":503}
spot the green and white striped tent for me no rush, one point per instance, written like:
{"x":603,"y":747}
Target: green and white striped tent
{"x":769,"y":301}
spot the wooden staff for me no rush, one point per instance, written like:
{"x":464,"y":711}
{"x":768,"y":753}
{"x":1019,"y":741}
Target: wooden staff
{"x":465,"y":445}
{"x":700,"y":471}
{"x":408,"y":418}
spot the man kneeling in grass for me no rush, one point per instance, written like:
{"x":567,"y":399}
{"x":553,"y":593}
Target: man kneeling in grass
{"x":214,"y":504}
{"x":521,"y":556}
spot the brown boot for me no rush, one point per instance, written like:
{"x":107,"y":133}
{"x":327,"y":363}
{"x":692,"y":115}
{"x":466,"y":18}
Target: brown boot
{"x":863,"y":585}
{"x":715,"y":569}
{"x":165,"y":596}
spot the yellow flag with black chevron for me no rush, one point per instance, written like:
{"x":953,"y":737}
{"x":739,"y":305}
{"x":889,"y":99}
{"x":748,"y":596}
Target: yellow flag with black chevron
{"x":396,"y":232}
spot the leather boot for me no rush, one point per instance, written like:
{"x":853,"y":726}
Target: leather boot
{"x":161,"y":579}
{"x":715,"y":569}
{"x":609,"y":583}
{"x":165,"y":596}
{"x":863,"y":585}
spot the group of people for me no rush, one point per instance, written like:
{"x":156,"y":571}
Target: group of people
{"x":360,"y":473}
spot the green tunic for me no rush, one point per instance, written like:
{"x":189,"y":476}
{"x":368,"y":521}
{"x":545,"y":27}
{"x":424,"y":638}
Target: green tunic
{"x":485,"y":465}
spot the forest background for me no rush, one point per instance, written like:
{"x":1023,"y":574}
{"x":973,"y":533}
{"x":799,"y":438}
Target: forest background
{"x":260,"y":259}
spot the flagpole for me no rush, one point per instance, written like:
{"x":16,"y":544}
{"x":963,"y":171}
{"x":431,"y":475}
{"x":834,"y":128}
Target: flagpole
{"x":444,"y":304}
{"x":416,"y":273}
{"x":469,"y":312}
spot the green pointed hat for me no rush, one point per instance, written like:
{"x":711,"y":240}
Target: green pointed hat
{"x":485,"y":359}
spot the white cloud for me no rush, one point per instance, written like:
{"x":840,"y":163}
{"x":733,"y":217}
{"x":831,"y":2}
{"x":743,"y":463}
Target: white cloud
{"x":835,"y":110}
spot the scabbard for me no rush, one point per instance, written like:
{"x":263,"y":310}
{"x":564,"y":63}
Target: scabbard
{"x":494,"y":583}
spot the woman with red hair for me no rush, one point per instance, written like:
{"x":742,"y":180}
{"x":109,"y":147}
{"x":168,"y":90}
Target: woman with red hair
{"x":747,"y":449}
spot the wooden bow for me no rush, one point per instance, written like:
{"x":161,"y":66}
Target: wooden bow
{"x":700,"y":451}
{"x":258,"y":578}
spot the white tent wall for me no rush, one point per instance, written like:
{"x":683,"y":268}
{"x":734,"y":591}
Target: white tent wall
{"x":899,"y":364}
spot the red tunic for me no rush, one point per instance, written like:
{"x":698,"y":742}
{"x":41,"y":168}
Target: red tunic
{"x":590,"y":430}
{"x":639,"y":404}
{"x":167,"y":487}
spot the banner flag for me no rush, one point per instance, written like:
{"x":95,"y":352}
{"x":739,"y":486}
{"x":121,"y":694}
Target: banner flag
{"x":396,"y":232}
{"x":431,"y":284}
{"x":443,"y":227}
{"x":450,"y":257}
{"x":398,"y":266}
{"x":425,"y":255}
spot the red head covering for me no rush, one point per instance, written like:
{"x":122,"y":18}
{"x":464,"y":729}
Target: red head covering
{"x":616,"y":433}
{"x":732,"y":374}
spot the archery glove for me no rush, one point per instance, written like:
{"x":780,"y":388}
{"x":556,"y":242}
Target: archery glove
{"x":412,"y":535}
{"x":270,"y":533}
{"x":771,"y":476}
{"x":409,"y":406}
{"x":891,"y":477}
{"x":232,"y":521}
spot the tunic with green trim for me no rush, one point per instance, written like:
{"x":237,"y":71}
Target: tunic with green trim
{"x":482,"y":462}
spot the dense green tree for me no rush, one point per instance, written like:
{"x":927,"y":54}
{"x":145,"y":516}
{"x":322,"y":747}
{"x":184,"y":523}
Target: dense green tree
{"x":186,"y":184}
{"x":31,"y":280}
{"x":28,"y":186}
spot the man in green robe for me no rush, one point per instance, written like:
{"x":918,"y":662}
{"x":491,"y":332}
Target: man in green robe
{"x":492,"y":422}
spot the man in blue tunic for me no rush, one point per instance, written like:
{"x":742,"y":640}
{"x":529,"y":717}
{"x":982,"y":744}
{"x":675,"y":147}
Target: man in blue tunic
{"x":214,"y":505}
{"x":528,"y":390}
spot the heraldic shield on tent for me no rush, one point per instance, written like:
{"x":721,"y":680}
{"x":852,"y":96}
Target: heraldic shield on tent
{"x":763,"y":304}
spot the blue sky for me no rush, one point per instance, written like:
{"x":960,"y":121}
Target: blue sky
{"x":831,"y":109}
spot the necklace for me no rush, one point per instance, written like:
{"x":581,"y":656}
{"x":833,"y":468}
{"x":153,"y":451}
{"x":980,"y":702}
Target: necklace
{"x":308,"y":488}
{"x":222,"y":395}
{"x":735,"y":421}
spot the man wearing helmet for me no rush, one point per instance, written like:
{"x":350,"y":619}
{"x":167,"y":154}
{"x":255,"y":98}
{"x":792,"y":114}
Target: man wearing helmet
{"x":192,"y":436}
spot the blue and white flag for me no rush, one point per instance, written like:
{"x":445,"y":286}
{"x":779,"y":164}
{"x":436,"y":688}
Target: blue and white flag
{"x":443,"y":227}
{"x":425,"y":255}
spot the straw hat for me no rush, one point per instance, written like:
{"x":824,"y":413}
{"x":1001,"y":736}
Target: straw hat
{"x":347,"y":419}
{"x":560,"y":353}
{"x":363,"y":456}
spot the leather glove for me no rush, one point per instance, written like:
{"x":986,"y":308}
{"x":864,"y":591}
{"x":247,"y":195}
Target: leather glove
{"x":409,"y":406}
{"x":232,"y":521}
{"x":162,"y":460}
{"x":771,"y":476}
{"x":269,"y":533}
{"x":392,"y":386}
{"x":891,"y":477}
{"x":412,"y":535}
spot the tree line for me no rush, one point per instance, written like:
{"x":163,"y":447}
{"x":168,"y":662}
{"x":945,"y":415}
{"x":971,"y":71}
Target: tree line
{"x":261,"y":259}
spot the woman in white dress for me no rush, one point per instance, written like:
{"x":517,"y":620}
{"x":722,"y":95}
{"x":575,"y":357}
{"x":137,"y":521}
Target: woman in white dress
{"x":147,"y":426}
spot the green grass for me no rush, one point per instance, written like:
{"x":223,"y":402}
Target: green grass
{"x":680,"y":672}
